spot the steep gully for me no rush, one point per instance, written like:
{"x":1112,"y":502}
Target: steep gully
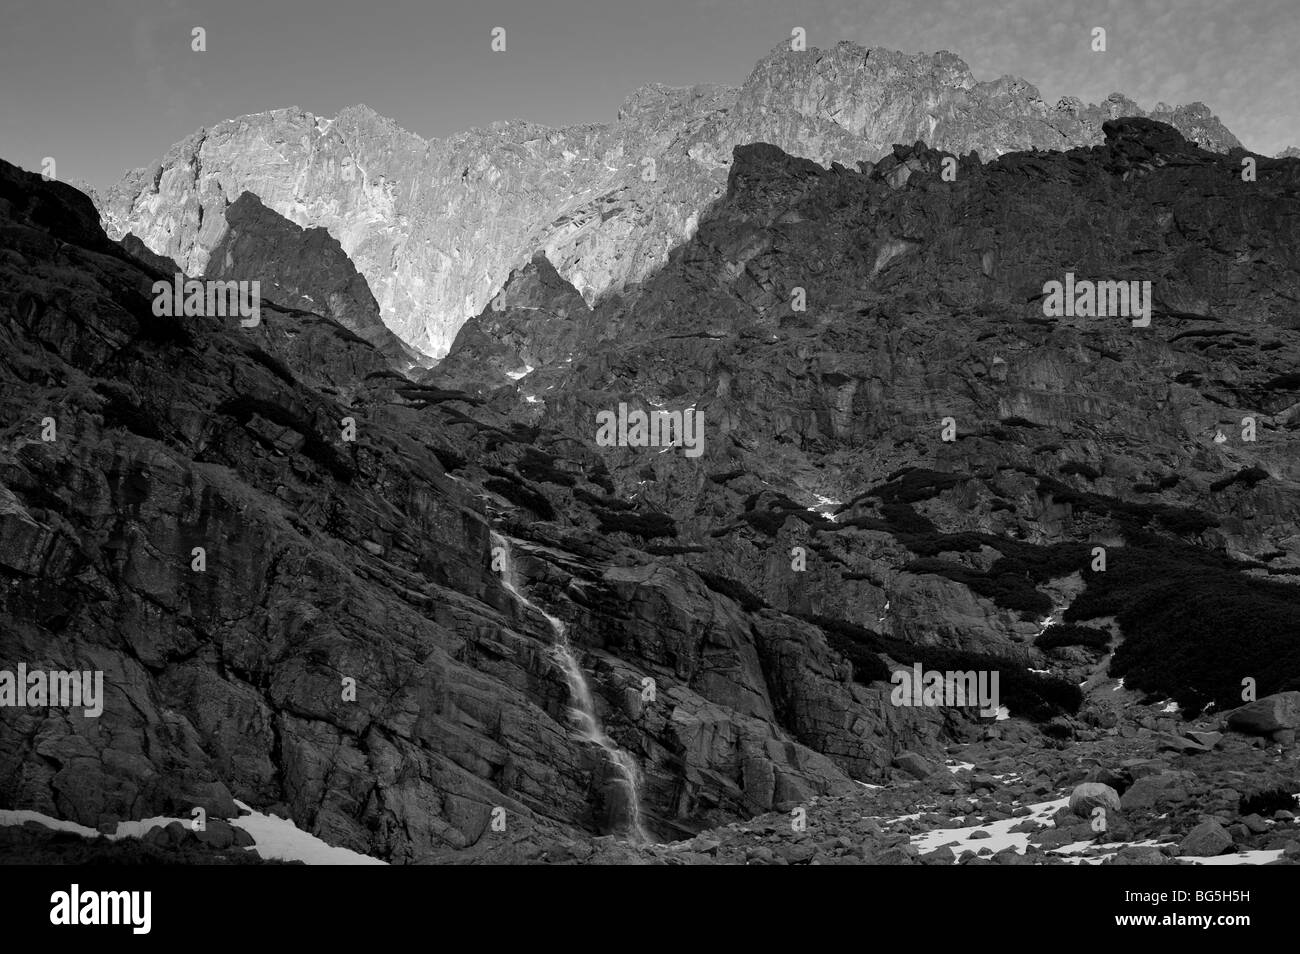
{"x":583,"y":711}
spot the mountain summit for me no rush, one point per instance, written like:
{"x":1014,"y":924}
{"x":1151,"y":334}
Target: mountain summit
{"x":437,"y":226}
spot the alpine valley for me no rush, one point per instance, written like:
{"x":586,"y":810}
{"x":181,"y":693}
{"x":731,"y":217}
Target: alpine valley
{"x":440,"y":620}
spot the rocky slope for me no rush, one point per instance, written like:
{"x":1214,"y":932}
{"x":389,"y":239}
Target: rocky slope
{"x":328,"y":561}
{"x":925,"y":302}
{"x":1174,"y":793}
{"x":765,"y":589}
{"x":437,"y":226}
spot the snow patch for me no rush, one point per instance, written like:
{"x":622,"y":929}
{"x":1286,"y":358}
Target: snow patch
{"x":142,"y":827}
{"x":274,"y":837}
{"x":999,"y":832}
{"x":1257,"y":857}
{"x":9,"y":816}
{"x":282,"y":839}
{"x":126,"y":829}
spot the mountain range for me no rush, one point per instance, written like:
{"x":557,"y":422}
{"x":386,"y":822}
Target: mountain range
{"x":431,"y":598}
{"x":436,"y":226}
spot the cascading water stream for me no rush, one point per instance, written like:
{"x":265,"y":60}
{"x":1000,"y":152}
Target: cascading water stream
{"x":583,"y":710}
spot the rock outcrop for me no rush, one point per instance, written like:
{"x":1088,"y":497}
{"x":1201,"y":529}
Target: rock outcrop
{"x":1275,"y":713}
{"x":538,"y":319}
{"x":303,"y":269}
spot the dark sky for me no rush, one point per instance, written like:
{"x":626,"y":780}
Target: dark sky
{"x":105,"y":85}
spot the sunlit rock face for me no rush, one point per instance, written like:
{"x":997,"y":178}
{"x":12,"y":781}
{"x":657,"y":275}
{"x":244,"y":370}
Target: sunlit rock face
{"x":437,"y":226}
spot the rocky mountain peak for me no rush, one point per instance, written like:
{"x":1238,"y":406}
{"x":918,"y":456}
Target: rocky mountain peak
{"x":657,"y":98}
{"x":436,"y":227}
{"x":305,"y":269}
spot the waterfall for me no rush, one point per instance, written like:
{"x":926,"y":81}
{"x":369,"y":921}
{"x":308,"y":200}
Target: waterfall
{"x":583,"y":708}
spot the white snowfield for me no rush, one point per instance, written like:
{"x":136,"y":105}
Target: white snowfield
{"x":1000,"y":835}
{"x":275,"y":838}
{"x":282,"y":839}
{"x":1241,"y":858}
{"x":126,"y":829}
{"x":19,"y":816}
{"x":958,"y":840}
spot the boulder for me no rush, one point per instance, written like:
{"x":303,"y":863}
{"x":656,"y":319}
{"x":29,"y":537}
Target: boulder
{"x":1118,"y":779}
{"x":217,"y":834}
{"x":1173,"y":742}
{"x":1140,"y":855}
{"x":1089,"y":795}
{"x":944,"y":782}
{"x":1140,"y":768}
{"x":1207,"y":840}
{"x":1267,"y":715}
{"x":1153,"y":790}
{"x":1255,"y":824}
{"x":915,"y":765}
